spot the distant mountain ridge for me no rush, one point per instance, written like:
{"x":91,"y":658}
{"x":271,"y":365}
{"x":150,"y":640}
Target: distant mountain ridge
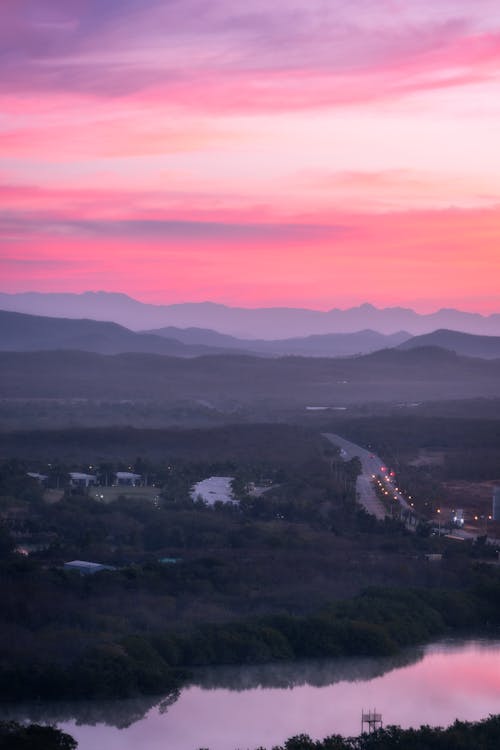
{"x":23,"y":332}
{"x":259,"y":323}
{"x":316,"y":345}
{"x":465,"y":344}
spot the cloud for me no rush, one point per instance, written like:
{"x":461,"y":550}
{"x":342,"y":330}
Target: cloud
{"x":212,"y":56}
{"x":386,"y":258}
{"x":46,"y":224}
{"x":32,"y":264}
{"x":122,"y":136}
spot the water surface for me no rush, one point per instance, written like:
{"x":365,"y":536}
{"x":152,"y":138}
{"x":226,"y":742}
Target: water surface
{"x":230,"y":708}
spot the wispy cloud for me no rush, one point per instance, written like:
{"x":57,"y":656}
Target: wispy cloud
{"x":357,"y":257}
{"x":43,"y":224}
{"x":286,"y":149}
{"x":207,"y":55}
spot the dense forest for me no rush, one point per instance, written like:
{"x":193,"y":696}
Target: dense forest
{"x":238,"y":381}
{"x":192,"y":585}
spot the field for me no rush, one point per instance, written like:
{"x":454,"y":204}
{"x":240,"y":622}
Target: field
{"x":110,"y":494}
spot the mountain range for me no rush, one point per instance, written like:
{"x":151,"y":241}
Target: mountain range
{"x":247,"y":323}
{"x":22,"y":332}
{"x":316,"y":345}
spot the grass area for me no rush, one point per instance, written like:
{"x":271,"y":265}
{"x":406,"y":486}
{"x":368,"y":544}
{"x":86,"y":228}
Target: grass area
{"x":110,"y":494}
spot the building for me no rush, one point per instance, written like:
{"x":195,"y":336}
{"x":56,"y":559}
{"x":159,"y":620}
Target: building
{"x":127,"y":479}
{"x":86,"y":568}
{"x":77,"y":479}
{"x":38,"y":477}
{"x":434,"y":557}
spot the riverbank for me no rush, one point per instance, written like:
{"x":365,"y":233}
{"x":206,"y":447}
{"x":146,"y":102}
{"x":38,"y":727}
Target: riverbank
{"x":379,"y":622}
{"x":250,"y":707}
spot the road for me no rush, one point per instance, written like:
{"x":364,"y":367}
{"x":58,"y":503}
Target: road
{"x":371,"y":465}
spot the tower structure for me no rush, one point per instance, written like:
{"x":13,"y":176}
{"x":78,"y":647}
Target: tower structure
{"x":371,"y":720}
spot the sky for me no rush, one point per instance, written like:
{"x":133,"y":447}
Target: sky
{"x":312,"y":153}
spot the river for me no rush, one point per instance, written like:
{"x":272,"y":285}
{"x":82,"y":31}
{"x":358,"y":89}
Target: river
{"x":244,"y":707}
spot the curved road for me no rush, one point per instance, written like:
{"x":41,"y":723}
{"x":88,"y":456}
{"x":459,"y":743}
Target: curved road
{"x":370,"y":465}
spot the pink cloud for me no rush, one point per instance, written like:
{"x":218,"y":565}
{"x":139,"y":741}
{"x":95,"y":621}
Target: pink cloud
{"x":108,"y":138}
{"x":215,"y":57}
{"x":385,"y":258}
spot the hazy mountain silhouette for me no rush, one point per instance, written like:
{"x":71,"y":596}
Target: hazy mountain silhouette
{"x":487,"y":347}
{"x":22,"y":332}
{"x":319,"y":345}
{"x":260,"y":323}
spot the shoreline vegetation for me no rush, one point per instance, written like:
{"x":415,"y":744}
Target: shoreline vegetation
{"x":378,"y":623}
{"x":463,"y":735}
{"x":479,"y":735}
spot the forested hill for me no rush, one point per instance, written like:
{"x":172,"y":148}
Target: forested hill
{"x":317,"y":345}
{"x":466,"y":344}
{"x":390,"y":375}
{"x":20,"y":332}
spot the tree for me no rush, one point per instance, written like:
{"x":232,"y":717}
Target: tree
{"x":15,"y":736}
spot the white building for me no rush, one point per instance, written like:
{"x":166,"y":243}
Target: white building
{"x":127,"y":478}
{"x":39,"y":477}
{"x":77,"y":479}
{"x":86,"y":568}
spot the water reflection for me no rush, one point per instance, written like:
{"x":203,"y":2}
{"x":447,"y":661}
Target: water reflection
{"x":123,"y":713}
{"x":248,"y":707}
{"x":316,"y":673}
{"x":114,"y":713}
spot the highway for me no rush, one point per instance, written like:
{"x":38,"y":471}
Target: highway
{"x":371,"y":465}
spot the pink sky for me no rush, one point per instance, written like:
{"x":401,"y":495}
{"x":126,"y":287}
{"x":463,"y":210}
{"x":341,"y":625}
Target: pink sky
{"x":300,"y":152}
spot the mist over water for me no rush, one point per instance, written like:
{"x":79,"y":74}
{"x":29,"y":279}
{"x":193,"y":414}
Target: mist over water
{"x":229,"y":708}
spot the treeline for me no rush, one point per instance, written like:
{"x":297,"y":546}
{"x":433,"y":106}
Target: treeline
{"x":278,"y":443}
{"x":14,"y":736}
{"x":481,"y":735}
{"x":462,"y":735}
{"x":471,"y":446}
{"x":380,"y":622}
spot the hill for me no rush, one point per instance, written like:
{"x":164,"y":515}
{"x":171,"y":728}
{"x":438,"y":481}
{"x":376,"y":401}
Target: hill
{"x":319,"y":345}
{"x":466,"y":344}
{"x":21,"y":332}
{"x":232,"y":381}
